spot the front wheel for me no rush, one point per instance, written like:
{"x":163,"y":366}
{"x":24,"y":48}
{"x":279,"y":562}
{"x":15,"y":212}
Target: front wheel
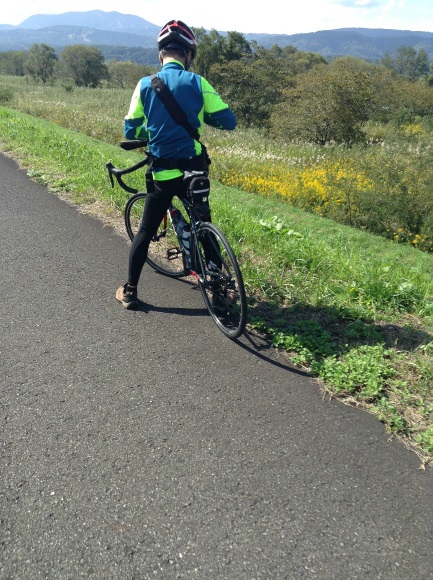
{"x":164,"y":254}
{"x":221,"y":281}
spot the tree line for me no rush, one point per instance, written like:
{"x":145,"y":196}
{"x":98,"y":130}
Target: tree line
{"x":285,"y":92}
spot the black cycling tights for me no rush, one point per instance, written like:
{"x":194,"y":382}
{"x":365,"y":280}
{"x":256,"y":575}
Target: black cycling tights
{"x":155,"y":207}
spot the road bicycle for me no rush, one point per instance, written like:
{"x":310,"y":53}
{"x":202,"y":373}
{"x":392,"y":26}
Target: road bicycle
{"x":186,"y":246}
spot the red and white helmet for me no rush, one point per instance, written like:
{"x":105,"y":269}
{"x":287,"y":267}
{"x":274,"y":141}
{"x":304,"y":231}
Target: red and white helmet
{"x":177,"y":34}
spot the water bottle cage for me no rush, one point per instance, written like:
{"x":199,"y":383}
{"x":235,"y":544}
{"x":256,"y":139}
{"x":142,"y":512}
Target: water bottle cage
{"x":186,"y":237}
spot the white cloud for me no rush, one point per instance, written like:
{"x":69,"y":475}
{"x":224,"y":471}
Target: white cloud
{"x":359,"y":3}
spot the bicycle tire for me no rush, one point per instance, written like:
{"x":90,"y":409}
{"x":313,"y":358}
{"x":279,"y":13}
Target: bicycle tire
{"x":164,"y":254}
{"x":222,"y":288}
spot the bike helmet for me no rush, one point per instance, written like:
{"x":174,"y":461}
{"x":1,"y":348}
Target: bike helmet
{"x":176,"y":34}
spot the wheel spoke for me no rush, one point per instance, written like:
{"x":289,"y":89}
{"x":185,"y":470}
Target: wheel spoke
{"x":164,"y":254}
{"x":222,"y":286}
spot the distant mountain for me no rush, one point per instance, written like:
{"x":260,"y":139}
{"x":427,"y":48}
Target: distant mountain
{"x":60,"y":36}
{"x":367,"y":43}
{"x":113,"y":29}
{"x":113,"y":21}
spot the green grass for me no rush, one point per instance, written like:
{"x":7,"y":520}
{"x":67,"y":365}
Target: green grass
{"x":352,"y":308}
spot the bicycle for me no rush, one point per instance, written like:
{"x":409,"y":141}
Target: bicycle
{"x":184,"y":245}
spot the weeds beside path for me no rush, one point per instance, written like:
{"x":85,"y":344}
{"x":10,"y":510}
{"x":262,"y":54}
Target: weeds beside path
{"x":351,"y":308}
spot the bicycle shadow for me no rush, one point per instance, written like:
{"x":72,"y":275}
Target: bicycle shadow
{"x":331,"y":331}
{"x":261,"y":347}
{"x":322,"y":331}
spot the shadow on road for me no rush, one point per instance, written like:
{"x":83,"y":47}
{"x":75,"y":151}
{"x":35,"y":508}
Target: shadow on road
{"x":260,"y":347}
{"x":180,"y":310}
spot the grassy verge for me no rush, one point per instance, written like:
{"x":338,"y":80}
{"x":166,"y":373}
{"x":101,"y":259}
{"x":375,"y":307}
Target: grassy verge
{"x":352,"y":308}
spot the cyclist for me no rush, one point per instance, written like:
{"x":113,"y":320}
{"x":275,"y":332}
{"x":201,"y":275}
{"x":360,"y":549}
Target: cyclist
{"x":171,"y":146}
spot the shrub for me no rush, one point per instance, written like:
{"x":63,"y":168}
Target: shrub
{"x":6,"y":95}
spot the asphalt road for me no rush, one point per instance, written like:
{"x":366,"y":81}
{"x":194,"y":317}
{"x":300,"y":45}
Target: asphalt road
{"x":138,"y":445}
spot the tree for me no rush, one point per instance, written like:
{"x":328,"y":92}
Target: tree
{"x":40,"y":62}
{"x":84,"y":64}
{"x":430,"y":76}
{"x":210,"y":50}
{"x":127,"y":74}
{"x":290,"y":58}
{"x":242,"y":72}
{"x":422,"y":63}
{"x":405,"y":62}
{"x":214,"y":48}
{"x":303,"y":61}
{"x":328,"y":104}
{"x":236,"y":47}
{"x":249,"y":88}
{"x":387,"y":61}
{"x":12,"y":62}
{"x":408,"y":62}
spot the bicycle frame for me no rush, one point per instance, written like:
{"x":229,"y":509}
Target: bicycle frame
{"x":189,"y":208}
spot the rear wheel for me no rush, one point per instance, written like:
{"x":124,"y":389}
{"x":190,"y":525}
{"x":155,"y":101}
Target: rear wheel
{"x":164,"y":254}
{"x":221,"y":285}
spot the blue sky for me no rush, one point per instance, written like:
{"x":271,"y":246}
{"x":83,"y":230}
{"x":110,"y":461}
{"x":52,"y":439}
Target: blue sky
{"x":270,"y":16}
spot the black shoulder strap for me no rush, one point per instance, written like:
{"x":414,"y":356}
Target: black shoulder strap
{"x":172,"y":105}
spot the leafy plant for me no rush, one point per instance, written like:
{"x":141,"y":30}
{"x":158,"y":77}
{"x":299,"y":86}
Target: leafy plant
{"x":276,"y":226}
{"x":362,"y":371}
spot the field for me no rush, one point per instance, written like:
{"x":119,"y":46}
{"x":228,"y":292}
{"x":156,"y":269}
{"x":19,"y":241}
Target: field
{"x":352,"y":307}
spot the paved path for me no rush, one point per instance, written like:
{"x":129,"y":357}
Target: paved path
{"x":147,"y":445}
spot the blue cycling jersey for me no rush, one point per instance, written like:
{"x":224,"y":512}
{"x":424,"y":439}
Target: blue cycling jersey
{"x":148,"y":117}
